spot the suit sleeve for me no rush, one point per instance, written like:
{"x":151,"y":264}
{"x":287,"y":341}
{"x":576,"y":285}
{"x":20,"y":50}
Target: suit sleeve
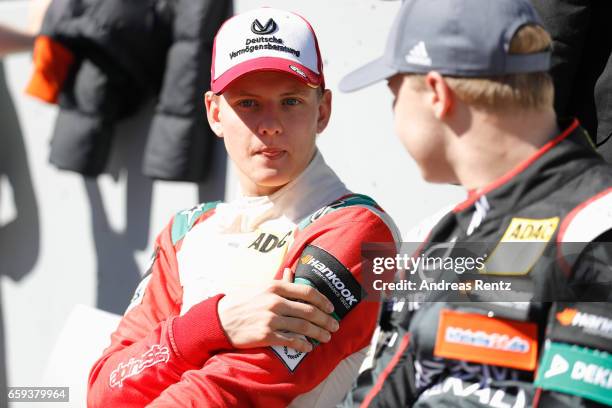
{"x":276,"y":377}
{"x":151,"y":348}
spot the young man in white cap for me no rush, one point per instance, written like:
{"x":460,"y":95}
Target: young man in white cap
{"x":474,"y":106}
{"x":182,"y":342}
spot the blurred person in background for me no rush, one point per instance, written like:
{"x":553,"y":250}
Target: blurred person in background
{"x":14,"y":40}
{"x":582,"y":64}
{"x":473,"y":104}
{"x":266,"y":342}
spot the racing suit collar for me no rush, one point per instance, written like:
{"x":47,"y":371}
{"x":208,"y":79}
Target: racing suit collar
{"x":534,"y":169}
{"x":317,"y":186}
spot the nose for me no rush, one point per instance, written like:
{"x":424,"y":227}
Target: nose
{"x":270,"y":122}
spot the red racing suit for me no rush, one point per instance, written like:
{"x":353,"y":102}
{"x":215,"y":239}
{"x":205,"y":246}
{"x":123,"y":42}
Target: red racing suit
{"x":170,"y":348}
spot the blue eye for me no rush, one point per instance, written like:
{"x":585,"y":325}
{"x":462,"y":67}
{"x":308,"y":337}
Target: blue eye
{"x":291,"y":102}
{"x":247,"y":103}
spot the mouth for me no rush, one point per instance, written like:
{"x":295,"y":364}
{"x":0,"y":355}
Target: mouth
{"x":270,"y":153}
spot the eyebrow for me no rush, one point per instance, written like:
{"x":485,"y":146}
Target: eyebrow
{"x":245,"y":93}
{"x":296,"y":91}
{"x":293,"y":91}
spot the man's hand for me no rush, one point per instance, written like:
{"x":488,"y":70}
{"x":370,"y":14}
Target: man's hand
{"x":265,"y":319}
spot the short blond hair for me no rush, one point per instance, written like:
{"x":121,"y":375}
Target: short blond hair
{"x":532,"y":91}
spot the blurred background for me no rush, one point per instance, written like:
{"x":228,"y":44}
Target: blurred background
{"x":66,"y":239}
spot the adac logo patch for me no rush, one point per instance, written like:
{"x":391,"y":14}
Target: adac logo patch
{"x":266,"y":241}
{"x":480,"y":339}
{"x":521,"y":246}
{"x":530,"y":230}
{"x":260,"y":29}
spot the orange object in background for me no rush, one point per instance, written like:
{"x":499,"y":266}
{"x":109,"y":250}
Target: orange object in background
{"x":52,"y":62}
{"x":481,"y":339}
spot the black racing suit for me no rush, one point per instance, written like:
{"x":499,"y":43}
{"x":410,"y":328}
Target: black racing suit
{"x":557,"y":207}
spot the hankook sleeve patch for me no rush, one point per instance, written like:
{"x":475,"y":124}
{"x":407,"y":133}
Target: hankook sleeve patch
{"x":318,"y":268}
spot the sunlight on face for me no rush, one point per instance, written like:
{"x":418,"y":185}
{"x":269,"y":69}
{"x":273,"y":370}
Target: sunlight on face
{"x":269,"y":121}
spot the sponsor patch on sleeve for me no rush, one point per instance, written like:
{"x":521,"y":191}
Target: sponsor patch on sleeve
{"x":321,"y":270}
{"x":577,"y":371}
{"x":587,"y":324}
{"x":290,"y":357}
{"x":481,"y":339}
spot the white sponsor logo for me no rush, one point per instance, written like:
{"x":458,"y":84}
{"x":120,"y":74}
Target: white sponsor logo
{"x":418,"y":55}
{"x":496,"y":398}
{"x":592,"y":374}
{"x":332,"y":278}
{"x":155,"y":355}
{"x":489,"y":340}
{"x":558,"y":365}
{"x":289,"y":356}
{"x":298,"y":71}
{"x":190,"y":213}
{"x":592,"y":323}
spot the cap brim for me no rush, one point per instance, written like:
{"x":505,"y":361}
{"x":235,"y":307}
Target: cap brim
{"x":369,"y":74}
{"x":293,"y":68}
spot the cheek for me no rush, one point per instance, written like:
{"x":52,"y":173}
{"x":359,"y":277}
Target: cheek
{"x":236,"y":141}
{"x":405,"y":127}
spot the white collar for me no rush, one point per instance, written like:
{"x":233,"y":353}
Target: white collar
{"x":315,"y":187}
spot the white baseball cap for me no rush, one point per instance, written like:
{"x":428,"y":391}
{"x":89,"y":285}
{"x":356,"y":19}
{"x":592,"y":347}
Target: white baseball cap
{"x":265,"y":39}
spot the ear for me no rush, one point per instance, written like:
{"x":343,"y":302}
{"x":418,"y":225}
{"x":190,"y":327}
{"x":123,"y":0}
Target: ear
{"x":325,"y":106}
{"x":442,"y":97}
{"x":212,"y":112}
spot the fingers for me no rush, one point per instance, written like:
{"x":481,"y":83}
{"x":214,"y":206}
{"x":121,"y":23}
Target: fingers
{"x":287,"y":275}
{"x":299,"y":343}
{"x":302,"y":327}
{"x":309,"y":313}
{"x":303,"y":293}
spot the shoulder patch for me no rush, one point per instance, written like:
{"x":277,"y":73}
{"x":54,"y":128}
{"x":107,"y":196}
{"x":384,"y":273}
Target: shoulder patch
{"x":184,"y":220}
{"x":354,"y":200}
{"x":290,"y":357}
{"x":588,"y":220}
{"x":349,"y":201}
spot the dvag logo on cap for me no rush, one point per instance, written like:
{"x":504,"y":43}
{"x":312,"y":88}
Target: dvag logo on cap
{"x":269,"y":28}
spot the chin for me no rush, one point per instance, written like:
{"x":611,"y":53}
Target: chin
{"x":271,"y":179}
{"x":437,"y":177}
